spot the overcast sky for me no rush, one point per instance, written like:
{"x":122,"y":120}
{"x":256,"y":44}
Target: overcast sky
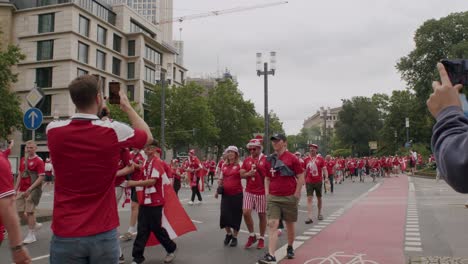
{"x":326,"y":50}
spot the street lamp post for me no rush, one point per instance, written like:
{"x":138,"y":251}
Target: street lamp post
{"x":396,"y":143}
{"x":325,"y":114}
{"x":163,"y":82}
{"x":407,"y":130}
{"x":265,"y":74}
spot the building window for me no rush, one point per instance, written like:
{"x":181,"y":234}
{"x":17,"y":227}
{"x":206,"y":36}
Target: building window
{"x":135,"y":28}
{"x":81,"y":72}
{"x":174,"y":76}
{"x":45,"y":50}
{"x":117,"y":43}
{"x":115,"y":66}
{"x":84,"y":26}
{"x":44,"y":77}
{"x":101,"y":35}
{"x":131,"y":92}
{"x":83,"y":50}
{"x":181,"y":76}
{"x":131,"y":70}
{"x":46,"y":23}
{"x":131,"y":48}
{"x":153,"y":55}
{"x":100,"y":60}
{"x":150,"y":75}
{"x":45,"y":105}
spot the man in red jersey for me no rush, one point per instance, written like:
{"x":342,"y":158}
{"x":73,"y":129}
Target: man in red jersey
{"x":8,"y":216}
{"x":151,"y":206}
{"x":315,"y":170}
{"x":86,"y":152}
{"x":254,"y":170}
{"x":29,"y":186}
{"x":283,"y":190}
{"x":331,"y":168}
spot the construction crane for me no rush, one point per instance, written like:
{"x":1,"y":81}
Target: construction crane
{"x":220,"y":12}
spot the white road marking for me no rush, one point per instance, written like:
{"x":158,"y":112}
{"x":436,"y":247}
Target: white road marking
{"x":418,"y":249}
{"x":197,"y":222}
{"x":310,"y":233}
{"x":303,"y":238}
{"x":412,"y":229}
{"x":413,"y":234}
{"x":407,"y":243}
{"x":315,"y":229}
{"x":413,"y":239}
{"x":302,"y":211}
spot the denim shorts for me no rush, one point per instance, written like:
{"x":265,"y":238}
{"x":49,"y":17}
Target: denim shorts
{"x":97,"y":249}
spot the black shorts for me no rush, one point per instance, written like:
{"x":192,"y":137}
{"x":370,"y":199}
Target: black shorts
{"x":49,"y":178}
{"x":133,"y":195}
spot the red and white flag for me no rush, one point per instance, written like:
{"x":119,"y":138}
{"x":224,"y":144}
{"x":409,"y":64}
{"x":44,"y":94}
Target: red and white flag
{"x":174,"y":218}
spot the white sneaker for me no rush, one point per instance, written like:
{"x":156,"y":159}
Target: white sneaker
{"x":37,"y":226}
{"x":198,"y":202}
{"x":30,"y":238}
{"x":190,"y":203}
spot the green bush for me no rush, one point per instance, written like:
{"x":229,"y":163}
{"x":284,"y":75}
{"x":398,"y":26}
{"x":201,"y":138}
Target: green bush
{"x":342,"y":153}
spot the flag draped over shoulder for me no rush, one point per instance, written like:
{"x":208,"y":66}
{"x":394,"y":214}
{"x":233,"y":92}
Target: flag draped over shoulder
{"x":174,"y":218}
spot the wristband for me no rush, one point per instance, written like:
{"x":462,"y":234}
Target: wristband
{"x":17,"y":248}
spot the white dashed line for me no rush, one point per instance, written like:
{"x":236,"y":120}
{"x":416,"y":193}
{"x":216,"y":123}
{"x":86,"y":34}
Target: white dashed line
{"x":302,"y":238}
{"x":412,"y":232}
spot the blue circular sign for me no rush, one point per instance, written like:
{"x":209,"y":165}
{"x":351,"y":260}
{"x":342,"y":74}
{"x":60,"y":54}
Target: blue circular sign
{"x":33,"y":118}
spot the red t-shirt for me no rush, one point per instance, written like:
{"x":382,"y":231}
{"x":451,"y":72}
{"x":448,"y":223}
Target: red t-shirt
{"x":360,"y":164}
{"x":314,"y":168}
{"x":256,"y":184}
{"x":177,"y":173}
{"x":231,"y":179}
{"x":330,"y":165}
{"x":284,"y":185}
{"x":125,"y":160}
{"x":153,"y":195}
{"x":86,"y":153}
{"x":138,"y":159}
{"x":212,"y":166}
{"x":6,"y":185}
{"x":35,"y":164}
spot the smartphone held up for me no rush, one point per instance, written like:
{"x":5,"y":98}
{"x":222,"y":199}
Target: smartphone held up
{"x":457,"y":70}
{"x":114,"y":89}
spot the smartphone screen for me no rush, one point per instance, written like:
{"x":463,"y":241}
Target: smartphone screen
{"x":464,"y":103}
{"x":114,"y":97}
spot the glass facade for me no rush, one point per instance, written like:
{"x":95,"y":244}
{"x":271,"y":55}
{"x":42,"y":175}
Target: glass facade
{"x":44,"y":77}
{"x":153,"y":55}
{"x":101,"y":35}
{"x":83,"y":51}
{"x":45,"y":50}
{"x":116,"y":66}
{"x":83,"y":27}
{"x":46,"y":23}
{"x":100,"y":60}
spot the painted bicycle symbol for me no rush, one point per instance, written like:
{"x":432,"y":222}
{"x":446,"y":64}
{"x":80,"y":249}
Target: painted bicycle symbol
{"x":341,"y":258}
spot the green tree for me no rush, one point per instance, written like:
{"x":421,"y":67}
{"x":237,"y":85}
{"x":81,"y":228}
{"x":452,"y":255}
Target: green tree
{"x":118,"y":115}
{"x":10,"y":111}
{"x":235,"y":117}
{"x":189,"y":120}
{"x":435,"y":40}
{"x":358,"y":124}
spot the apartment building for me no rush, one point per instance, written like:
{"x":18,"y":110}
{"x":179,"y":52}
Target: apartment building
{"x":63,"y":39}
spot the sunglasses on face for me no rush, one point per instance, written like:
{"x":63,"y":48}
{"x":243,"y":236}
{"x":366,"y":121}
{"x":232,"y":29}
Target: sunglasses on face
{"x":252,"y":149}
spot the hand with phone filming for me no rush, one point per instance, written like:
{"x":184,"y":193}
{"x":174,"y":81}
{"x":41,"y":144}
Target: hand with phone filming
{"x":445,"y":94}
{"x":124,"y":102}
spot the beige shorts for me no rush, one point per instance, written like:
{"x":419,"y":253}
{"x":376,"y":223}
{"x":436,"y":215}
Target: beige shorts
{"x":24,"y":204}
{"x":118,"y":193}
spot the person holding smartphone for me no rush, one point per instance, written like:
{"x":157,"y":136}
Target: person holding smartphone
{"x":450,"y":133}
{"x":86,"y":152}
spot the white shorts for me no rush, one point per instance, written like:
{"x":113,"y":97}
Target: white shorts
{"x":255,"y":202}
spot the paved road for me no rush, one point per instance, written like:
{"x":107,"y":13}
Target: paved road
{"x":442,"y":220}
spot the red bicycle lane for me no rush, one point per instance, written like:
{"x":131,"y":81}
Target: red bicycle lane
{"x":374,"y":226}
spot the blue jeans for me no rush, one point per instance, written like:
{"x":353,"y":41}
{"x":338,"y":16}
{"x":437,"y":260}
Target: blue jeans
{"x":97,"y":249}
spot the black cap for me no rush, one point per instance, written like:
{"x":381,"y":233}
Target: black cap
{"x":278,"y":137}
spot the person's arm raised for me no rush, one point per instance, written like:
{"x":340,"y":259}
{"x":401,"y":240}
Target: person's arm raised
{"x":136,"y":121}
